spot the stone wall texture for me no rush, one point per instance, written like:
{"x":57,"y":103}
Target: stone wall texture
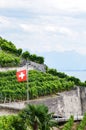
{"x":83,"y":99}
{"x":64,"y":104}
{"x":31,"y":66}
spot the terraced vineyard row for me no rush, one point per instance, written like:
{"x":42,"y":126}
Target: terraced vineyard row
{"x":40,"y":84}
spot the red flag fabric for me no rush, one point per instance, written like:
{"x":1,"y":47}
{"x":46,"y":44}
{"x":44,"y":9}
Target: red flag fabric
{"x":21,"y":75}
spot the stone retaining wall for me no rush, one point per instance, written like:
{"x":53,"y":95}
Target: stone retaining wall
{"x":64,"y":104}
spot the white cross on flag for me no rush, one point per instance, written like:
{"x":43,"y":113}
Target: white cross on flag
{"x":21,"y":75}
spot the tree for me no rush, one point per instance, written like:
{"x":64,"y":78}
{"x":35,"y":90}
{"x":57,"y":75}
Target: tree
{"x":38,"y":117}
{"x":19,"y":51}
{"x":26,"y":55}
{"x":56,"y":73}
{"x":33,"y":57}
{"x":74,"y":79}
{"x":40,"y":59}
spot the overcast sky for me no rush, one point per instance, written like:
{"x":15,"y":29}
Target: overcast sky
{"x":45,"y":26}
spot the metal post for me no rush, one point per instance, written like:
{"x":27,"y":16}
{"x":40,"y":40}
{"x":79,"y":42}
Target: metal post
{"x":27,"y":82}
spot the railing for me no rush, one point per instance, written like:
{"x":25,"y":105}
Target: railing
{"x":64,"y":119}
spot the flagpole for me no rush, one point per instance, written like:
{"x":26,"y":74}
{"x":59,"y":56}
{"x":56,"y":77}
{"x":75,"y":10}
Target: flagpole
{"x":27,"y":81}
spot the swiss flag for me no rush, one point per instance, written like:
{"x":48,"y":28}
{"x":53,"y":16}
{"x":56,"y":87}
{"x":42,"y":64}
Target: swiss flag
{"x":21,"y":75}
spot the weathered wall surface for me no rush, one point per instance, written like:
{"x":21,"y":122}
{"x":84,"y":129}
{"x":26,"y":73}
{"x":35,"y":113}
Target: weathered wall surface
{"x":31,"y":66}
{"x":72,"y":103}
{"x":54,"y":103}
{"x":64,"y":104}
{"x":83,"y":99}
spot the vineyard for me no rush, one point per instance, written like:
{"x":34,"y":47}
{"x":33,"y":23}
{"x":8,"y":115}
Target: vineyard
{"x":39,"y":84}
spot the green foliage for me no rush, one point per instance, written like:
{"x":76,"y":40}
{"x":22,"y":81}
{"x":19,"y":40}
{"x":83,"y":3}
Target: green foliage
{"x":67,"y":78}
{"x":26,"y":55}
{"x":7,"y":46}
{"x":82,"y":84}
{"x":32,"y":117}
{"x":38,"y":117}
{"x":33,"y":57}
{"x":19,"y":51}
{"x":15,"y":55}
{"x":69,"y":124}
{"x":56,"y":73}
{"x":40,"y":59}
{"x":74,"y":79}
{"x":13,"y":122}
{"x":82,"y":124}
{"x":40,"y":84}
{"x":8,"y":59}
{"x":37,"y":59}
